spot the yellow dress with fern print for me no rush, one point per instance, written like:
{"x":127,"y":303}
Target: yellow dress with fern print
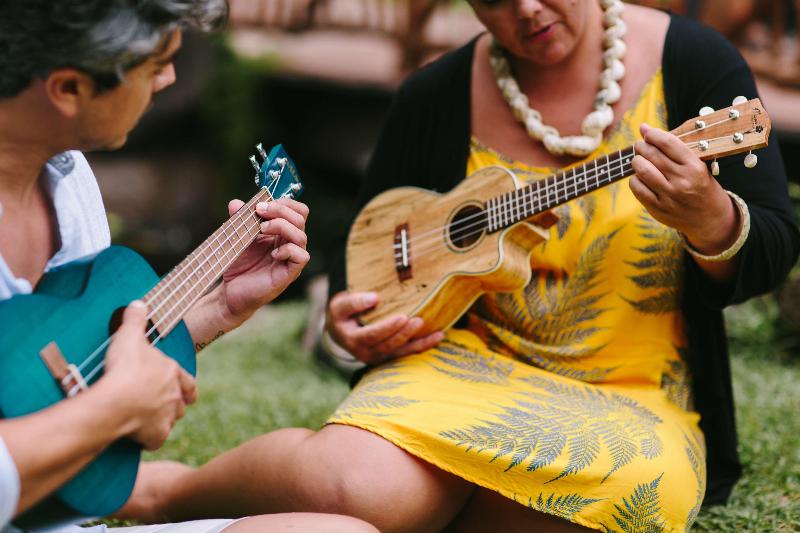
{"x":569,"y":396}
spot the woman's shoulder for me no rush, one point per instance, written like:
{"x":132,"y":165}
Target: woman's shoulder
{"x":647,"y":21}
{"x":697,"y":46}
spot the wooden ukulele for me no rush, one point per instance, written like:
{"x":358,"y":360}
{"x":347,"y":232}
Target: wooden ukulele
{"x":63,"y":330}
{"x":432,"y":255}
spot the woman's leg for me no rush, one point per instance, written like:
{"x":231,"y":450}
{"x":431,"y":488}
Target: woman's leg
{"x":339,"y":469}
{"x":294,"y":522}
{"x":486,"y":510}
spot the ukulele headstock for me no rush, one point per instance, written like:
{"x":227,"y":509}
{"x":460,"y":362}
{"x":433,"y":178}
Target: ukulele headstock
{"x":277,"y":173}
{"x":742,"y":127}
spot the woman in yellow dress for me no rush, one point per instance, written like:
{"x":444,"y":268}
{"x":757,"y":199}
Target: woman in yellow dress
{"x":575,"y":403}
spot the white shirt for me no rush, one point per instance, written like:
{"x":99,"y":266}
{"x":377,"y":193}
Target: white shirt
{"x":83,"y":230}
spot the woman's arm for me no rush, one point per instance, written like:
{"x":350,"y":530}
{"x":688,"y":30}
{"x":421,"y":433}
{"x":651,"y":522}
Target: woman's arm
{"x":701,"y":68}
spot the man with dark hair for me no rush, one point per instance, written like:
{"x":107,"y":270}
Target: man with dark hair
{"x":77,"y":75}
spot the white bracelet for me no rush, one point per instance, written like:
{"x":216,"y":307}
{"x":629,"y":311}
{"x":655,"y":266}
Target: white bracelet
{"x":336,"y":350}
{"x":733,"y":249}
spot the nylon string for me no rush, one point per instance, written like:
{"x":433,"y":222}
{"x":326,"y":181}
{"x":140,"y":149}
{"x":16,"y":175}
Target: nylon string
{"x":244,"y":215}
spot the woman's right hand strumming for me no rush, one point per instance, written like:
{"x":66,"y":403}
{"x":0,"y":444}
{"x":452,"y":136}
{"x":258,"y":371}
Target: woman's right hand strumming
{"x":386,"y":339}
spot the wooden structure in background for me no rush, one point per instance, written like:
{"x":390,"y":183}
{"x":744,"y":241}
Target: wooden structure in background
{"x":403,"y":21}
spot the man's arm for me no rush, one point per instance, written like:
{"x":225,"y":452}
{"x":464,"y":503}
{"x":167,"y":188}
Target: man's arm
{"x":141,"y":396}
{"x":69,"y":434}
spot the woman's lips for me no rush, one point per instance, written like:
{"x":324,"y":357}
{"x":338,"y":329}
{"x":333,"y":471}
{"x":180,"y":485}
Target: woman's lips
{"x":541,"y":33}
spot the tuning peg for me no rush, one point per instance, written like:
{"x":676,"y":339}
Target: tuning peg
{"x":255,"y":163}
{"x":261,"y":152}
{"x":750,"y":160}
{"x":281,"y":161}
{"x":706,"y":111}
{"x":297,"y":186}
{"x":739,"y":100}
{"x":714,"y":168}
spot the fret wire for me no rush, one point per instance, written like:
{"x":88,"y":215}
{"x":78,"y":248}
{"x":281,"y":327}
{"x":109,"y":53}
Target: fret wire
{"x":505,"y":210}
{"x":538,"y":196}
{"x":596,"y":175}
{"x":516,"y":215}
{"x":529,"y":202}
{"x":489,"y":215}
{"x":514,"y":206}
{"x":490,"y":210}
{"x":495,"y":221}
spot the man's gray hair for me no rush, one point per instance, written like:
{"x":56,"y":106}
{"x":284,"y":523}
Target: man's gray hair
{"x":103,"y":38}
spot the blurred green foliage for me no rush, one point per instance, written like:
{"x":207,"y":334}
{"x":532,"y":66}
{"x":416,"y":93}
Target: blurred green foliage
{"x":230,"y":109}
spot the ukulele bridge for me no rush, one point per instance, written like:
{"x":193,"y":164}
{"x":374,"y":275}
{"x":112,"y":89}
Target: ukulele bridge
{"x":402,"y":252}
{"x":67,"y":375}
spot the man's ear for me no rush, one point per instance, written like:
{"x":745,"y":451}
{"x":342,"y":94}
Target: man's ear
{"x":69,"y":90}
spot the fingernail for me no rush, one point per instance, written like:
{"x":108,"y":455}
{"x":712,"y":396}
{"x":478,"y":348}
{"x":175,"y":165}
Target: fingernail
{"x":274,"y":253}
{"x":262,"y":206}
{"x":370,"y":298}
{"x":138,"y":304}
{"x":416,"y":322}
{"x":439,"y":335}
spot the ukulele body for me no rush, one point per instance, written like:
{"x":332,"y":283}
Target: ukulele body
{"x":72,"y":306}
{"x":451,"y":262}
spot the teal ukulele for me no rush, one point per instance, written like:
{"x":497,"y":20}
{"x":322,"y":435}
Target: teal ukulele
{"x":64,"y":327}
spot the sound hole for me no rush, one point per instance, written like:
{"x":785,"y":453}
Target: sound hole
{"x":467,"y":226}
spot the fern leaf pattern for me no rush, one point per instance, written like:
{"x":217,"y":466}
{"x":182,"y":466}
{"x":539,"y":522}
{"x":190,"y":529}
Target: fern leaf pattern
{"x":565,"y":506}
{"x":695,"y":452}
{"x":460,"y":362}
{"x":370,"y":397}
{"x":555,"y":319}
{"x":613,"y":190}
{"x":564,"y":220}
{"x":659,"y":270}
{"x":588,"y":205}
{"x":553,"y":418}
{"x":640,"y":512}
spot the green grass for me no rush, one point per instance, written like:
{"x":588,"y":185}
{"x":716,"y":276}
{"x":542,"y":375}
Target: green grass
{"x":258,"y":379}
{"x":253,"y":380}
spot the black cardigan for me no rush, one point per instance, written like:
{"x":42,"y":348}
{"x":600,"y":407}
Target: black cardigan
{"x":425,"y":142}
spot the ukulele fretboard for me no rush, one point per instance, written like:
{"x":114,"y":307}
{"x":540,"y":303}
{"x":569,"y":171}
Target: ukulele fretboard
{"x":540,"y":196}
{"x":172,"y":297}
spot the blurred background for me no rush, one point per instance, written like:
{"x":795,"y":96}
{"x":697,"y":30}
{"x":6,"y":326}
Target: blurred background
{"x":318,"y":76}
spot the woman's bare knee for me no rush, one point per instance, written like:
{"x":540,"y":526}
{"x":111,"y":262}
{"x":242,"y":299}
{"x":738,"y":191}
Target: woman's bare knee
{"x":361,"y":474}
{"x":319,"y":523}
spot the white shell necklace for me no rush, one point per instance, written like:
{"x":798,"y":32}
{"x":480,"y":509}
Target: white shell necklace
{"x":596,"y":121}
